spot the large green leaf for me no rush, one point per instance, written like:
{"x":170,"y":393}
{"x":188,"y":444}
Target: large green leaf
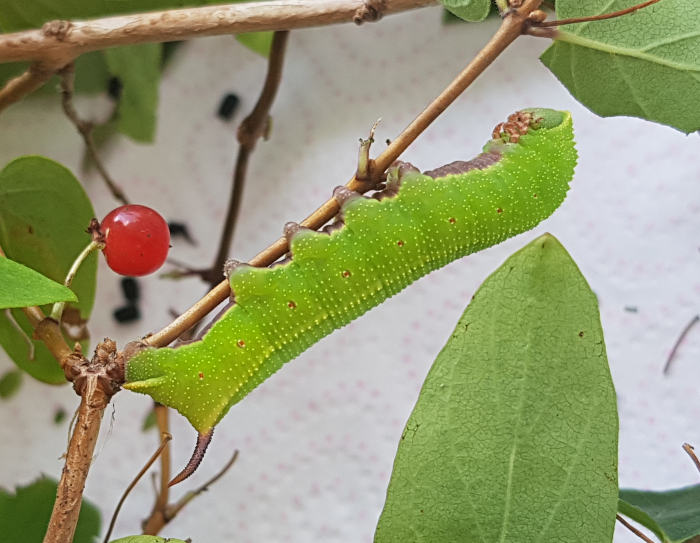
{"x":469,"y":10}
{"x":514,"y":436}
{"x":24,"y":516}
{"x":44,"y":212}
{"x":23,"y":287}
{"x":138,"y":68}
{"x":674,"y":515}
{"x":646,"y":64}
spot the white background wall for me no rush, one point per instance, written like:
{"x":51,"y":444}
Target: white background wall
{"x":318,"y":439}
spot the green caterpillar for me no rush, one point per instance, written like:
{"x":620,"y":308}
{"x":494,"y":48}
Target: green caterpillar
{"x":377,"y":247}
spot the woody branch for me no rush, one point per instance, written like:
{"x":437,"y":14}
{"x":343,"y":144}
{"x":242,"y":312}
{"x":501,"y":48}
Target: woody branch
{"x":63,"y":41}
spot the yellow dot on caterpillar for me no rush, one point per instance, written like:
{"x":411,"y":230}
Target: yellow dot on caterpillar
{"x":201,"y":375}
{"x":291,"y":304}
{"x":452,"y":220}
{"x":399,"y":243}
{"x":346,"y":274}
{"x":241,"y":343}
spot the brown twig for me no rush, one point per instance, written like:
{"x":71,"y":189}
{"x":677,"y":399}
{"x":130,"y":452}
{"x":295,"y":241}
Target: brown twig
{"x":175,"y":508}
{"x":251,"y":130}
{"x":156,"y":520}
{"x":63,"y":42}
{"x":633,"y":529}
{"x":514,"y":23}
{"x":144,"y":469}
{"x":17,"y":88}
{"x":64,"y":518}
{"x":680,"y":339}
{"x":67,"y":75}
{"x":96,"y":381}
{"x":602,"y":17}
{"x":691,"y":452}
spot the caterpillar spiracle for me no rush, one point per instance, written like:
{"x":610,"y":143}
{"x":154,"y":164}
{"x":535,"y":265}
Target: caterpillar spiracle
{"x":378,"y":246}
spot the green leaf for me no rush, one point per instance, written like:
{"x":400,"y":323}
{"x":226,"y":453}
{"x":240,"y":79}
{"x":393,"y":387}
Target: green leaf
{"x":146,"y":539}
{"x":640,"y":65}
{"x":449,"y":18}
{"x":21,"y":15}
{"x":24,"y":516}
{"x":469,"y":10}
{"x":22,"y":287}
{"x":258,"y":42}
{"x":138,"y":68}
{"x":674,"y":515}
{"x":91,"y":75}
{"x":59,"y":416}
{"x":10,"y":383}
{"x":149,"y":421}
{"x":642,"y":518}
{"x":514,"y":436}
{"x":44,"y":212}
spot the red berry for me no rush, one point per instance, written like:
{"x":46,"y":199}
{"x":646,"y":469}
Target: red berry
{"x":137,"y":240}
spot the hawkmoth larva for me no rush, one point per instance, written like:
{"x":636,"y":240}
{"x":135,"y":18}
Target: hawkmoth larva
{"x":418,"y":223}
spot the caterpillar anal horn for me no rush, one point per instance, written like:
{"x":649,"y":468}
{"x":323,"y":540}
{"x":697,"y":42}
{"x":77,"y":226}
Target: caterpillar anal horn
{"x":203,"y":441}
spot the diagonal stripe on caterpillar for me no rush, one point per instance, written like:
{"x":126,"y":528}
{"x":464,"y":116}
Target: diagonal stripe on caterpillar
{"x":379,"y":246}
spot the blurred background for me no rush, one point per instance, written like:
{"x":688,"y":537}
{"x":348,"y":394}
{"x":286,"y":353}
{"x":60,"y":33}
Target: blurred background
{"x":317,"y":440}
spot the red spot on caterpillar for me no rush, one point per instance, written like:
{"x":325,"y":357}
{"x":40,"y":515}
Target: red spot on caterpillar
{"x":241,"y":343}
{"x":452,"y":220}
{"x":346,"y":274}
{"x":291,"y":304}
{"x":201,"y":375}
{"x":399,"y":243}
{"x":535,"y":195}
{"x":499,"y":210}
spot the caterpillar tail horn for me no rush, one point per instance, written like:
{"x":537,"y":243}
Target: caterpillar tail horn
{"x":200,"y":448}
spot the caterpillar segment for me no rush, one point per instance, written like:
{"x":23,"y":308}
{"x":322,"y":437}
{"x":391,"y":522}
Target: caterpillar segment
{"x":379,"y":245}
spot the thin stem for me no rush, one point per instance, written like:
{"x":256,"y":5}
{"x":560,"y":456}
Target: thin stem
{"x":57,"y":310}
{"x":680,"y":339}
{"x":175,"y":508}
{"x":156,"y":520}
{"x":513,"y":25}
{"x":691,"y":452}
{"x":144,"y":469}
{"x":251,"y":130}
{"x":67,"y":75}
{"x":602,"y":17}
{"x":21,"y":332}
{"x":363,"y":160}
{"x":63,"y":42}
{"x":17,"y":88}
{"x":633,"y":529}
